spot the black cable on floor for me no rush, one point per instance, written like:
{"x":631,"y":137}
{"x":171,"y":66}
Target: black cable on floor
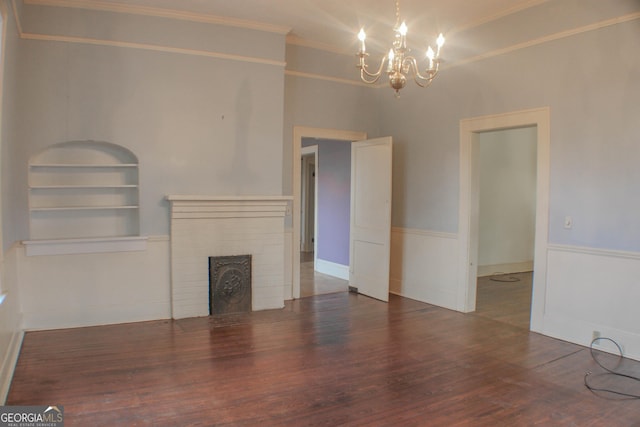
{"x":609,"y":371}
{"x":502,"y":277}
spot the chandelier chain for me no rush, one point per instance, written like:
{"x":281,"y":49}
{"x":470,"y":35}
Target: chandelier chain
{"x":397,"y":13}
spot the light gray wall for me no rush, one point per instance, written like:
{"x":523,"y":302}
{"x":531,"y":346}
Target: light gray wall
{"x":323,"y":104}
{"x":507,"y":205}
{"x":590,"y":81}
{"x":198,"y":125}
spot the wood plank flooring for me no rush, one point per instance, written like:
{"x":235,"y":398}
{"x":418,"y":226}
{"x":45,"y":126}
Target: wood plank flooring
{"x":314,"y":283}
{"x":506,"y":298}
{"x":329,"y":360}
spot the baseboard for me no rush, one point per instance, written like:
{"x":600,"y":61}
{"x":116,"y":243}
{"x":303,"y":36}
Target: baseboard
{"x":332,"y":269}
{"x":514,"y":267}
{"x":9,"y":364}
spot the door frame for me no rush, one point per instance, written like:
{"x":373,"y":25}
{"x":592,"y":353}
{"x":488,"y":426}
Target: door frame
{"x":300,"y":132}
{"x":311,"y":151}
{"x":468,"y":205}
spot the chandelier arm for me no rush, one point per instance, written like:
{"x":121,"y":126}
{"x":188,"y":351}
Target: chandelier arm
{"x":364,"y":74}
{"x":411,"y":65}
{"x":364,"y":71}
{"x":420,"y":82}
{"x":432,"y":75}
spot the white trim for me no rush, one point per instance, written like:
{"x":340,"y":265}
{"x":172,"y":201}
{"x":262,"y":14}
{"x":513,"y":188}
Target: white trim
{"x":301,"y":42}
{"x":326,"y":47}
{"x":332,"y":269}
{"x":151,"y":47}
{"x":9,"y":361}
{"x":158,"y":238}
{"x":425,"y":233}
{"x":328,"y":79}
{"x":307,"y":151}
{"x":594,"y":251}
{"x":579,"y":300}
{"x":548,"y":38}
{"x":14,"y":8}
{"x":84,"y":246}
{"x":300,"y":132}
{"x":207,"y":18}
{"x":493,"y":53}
{"x":468,"y":218}
{"x":424,"y":266}
{"x":489,"y":18}
{"x":512,"y":267}
{"x":3,"y":43}
{"x":204,"y":198}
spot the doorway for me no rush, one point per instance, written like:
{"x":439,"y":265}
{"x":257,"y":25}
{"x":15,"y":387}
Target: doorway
{"x":468,"y":224}
{"x":506,"y":224}
{"x":298,"y":134}
{"x":324,"y":216}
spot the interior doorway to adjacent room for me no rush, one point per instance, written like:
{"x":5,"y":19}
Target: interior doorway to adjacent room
{"x":324,"y":216}
{"x":506,"y":223}
{"x":471,"y":131}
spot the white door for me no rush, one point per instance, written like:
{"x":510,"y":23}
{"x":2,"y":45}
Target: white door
{"x":370,"y":239}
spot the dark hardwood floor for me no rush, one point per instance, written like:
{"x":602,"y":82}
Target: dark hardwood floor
{"x":331,"y":360}
{"x":506,"y":298}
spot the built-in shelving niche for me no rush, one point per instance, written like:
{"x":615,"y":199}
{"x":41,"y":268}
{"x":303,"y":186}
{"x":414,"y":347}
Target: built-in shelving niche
{"x":83,"y":189}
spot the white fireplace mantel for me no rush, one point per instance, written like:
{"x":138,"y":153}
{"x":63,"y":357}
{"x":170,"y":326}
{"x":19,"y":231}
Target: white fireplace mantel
{"x":204,"y":226}
{"x":201,"y":198}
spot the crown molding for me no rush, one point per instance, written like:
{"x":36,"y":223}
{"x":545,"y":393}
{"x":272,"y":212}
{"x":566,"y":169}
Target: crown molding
{"x":16,"y":17}
{"x":107,"y":6}
{"x":157,"y":48}
{"x":489,"y":18}
{"x":327,"y":47}
{"x":326,"y":78}
{"x":549,"y":38}
{"x":290,"y":39}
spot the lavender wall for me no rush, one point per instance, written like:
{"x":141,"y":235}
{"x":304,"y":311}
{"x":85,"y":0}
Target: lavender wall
{"x":334,"y":199}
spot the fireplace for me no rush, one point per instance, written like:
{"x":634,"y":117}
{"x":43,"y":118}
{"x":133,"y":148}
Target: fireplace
{"x":210,"y":226}
{"x":229,"y":284}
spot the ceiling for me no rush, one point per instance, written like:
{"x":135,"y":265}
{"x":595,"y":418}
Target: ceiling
{"x":334,"y":23}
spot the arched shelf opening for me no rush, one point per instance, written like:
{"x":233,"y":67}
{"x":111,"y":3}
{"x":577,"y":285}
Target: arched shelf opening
{"x":83,"y":189}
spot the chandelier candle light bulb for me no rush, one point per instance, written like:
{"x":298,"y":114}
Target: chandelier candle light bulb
{"x":362,"y":37}
{"x":399,"y":64}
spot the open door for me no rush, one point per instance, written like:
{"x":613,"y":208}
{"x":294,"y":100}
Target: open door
{"x":370,"y":240}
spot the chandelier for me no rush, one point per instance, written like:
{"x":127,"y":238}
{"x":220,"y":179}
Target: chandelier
{"x":399,"y":63}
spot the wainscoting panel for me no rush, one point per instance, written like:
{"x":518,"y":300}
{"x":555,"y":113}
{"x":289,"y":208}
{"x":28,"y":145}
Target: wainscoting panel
{"x":593,"y":290}
{"x":65,"y":291}
{"x":288,"y":264}
{"x":332,"y":269}
{"x":10,"y":322}
{"x":423,"y":266}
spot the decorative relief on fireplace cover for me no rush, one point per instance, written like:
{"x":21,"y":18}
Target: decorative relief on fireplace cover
{"x":229,"y":284}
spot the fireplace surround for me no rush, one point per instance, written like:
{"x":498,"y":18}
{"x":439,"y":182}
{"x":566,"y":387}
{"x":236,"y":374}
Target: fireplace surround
{"x":210,"y":226}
